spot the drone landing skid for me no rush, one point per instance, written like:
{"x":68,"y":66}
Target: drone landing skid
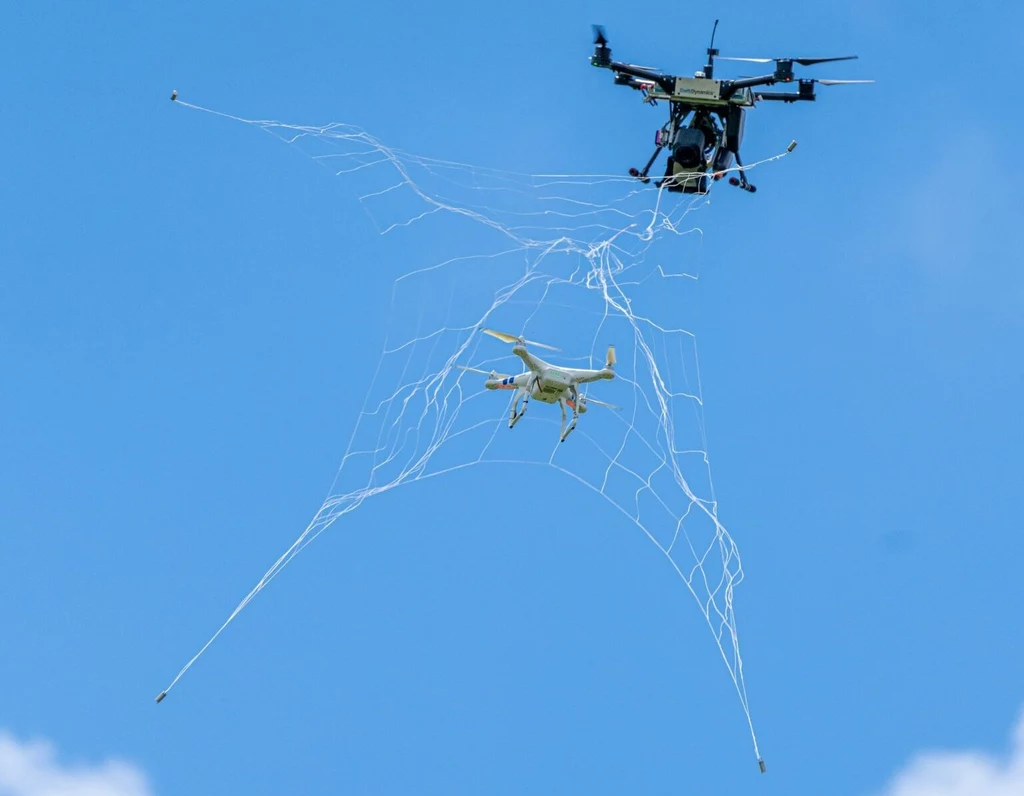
{"x":575,"y":418}
{"x":742,"y":182}
{"x":642,"y":174}
{"x":518,"y":415}
{"x":674,"y":185}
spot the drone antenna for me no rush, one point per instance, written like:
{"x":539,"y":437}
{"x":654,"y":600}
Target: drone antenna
{"x":709,"y":69}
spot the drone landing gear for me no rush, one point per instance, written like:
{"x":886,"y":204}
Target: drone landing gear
{"x":642,"y":174}
{"x":573,"y":402}
{"x":518,"y":415}
{"x":742,"y":181}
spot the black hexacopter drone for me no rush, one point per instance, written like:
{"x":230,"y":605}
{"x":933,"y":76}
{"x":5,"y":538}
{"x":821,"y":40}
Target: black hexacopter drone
{"x":711,"y":140}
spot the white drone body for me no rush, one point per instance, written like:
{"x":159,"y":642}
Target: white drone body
{"x":546,"y":382}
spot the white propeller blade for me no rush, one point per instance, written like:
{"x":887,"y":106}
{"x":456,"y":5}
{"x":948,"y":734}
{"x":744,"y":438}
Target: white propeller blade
{"x":842,"y":82}
{"x":610,"y":359}
{"x":505,"y":338}
{"x":515,"y":338}
{"x":489,"y":373}
{"x":587,"y":400}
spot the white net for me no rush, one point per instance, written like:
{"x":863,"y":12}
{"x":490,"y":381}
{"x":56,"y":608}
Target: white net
{"x":580,"y":262}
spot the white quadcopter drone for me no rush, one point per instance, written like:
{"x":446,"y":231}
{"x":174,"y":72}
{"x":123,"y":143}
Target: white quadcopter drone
{"x":545,"y":382}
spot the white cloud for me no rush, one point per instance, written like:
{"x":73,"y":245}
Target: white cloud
{"x":32,"y":769}
{"x":965,"y":773}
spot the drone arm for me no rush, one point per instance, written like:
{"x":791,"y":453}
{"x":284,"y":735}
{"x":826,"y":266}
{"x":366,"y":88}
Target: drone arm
{"x":748,"y":82}
{"x":666,"y":82}
{"x":591,"y":376}
{"x":782,"y":96}
{"x":602,"y":58}
{"x":528,"y":359}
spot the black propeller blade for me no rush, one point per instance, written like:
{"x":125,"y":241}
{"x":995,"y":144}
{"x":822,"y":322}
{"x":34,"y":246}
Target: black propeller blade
{"x":602,"y":52}
{"x":813,"y":61}
{"x":784,"y":66}
{"x":801,"y":61}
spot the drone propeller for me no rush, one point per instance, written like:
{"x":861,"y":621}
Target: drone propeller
{"x":813,"y":61}
{"x":584,"y":399}
{"x":602,"y":52}
{"x":609,"y":361}
{"x":513,"y":338}
{"x":841,"y":82}
{"x":490,"y":374}
{"x":652,"y":69}
{"x":801,"y":61}
{"x":748,"y":60}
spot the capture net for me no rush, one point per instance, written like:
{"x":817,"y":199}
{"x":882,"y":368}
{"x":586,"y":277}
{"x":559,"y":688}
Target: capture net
{"x":576,"y":261}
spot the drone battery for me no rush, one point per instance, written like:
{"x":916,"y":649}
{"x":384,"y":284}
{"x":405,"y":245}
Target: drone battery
{"x":555,"y":382}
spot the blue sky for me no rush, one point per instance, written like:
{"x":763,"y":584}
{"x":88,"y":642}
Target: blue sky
{"x":192,"y":311}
